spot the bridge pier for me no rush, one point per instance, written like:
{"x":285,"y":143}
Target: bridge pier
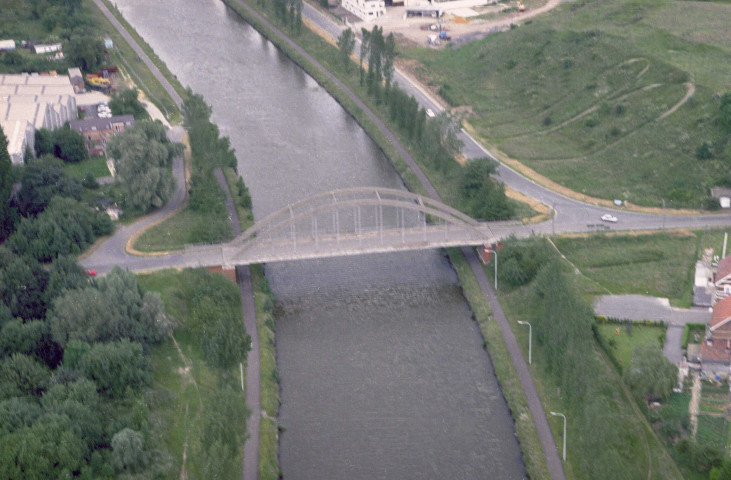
{"x":229,"y":273}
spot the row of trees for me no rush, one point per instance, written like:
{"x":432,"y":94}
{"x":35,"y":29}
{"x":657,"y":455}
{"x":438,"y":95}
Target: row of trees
{"x":209,"y":151}
{"x":434,"y":139}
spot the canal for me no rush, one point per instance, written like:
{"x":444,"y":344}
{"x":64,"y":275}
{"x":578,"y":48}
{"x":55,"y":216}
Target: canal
{"x":383,"y":370}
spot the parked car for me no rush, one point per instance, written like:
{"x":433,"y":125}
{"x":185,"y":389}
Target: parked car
{"x":608,"y":217}
{"x":430,"y":113}
{"x":91,"y":273}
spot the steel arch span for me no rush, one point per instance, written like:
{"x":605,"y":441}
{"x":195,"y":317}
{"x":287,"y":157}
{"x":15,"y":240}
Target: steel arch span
{"x":354,"y":221}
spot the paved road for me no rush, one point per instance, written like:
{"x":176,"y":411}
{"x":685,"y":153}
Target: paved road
{"x":640,"y":307}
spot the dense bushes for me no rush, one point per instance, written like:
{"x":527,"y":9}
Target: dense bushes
{"x":65,"y":227}
{"x":60,"y":412}
{"x":63,"y":143}
{"x":520,"y":259}
{"x":482,"y":197}
{"x":40,"y":181}
{"x":143,"y":156}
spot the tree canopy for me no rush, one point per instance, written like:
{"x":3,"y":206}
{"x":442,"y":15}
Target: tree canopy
{"x":40,"y":181}
{"x":126,"y":102}
{"x":142,"y":156}
{"x":7,"y":212}
{"x":651,"y":376}
{"x":65,"y":227}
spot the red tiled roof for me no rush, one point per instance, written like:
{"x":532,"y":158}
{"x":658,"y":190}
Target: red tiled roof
{"x":724,"y":268}
{"x":721,"y":312}
{"x":716,"y":352}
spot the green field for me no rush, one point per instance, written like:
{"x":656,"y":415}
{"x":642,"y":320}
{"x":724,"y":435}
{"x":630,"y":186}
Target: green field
{"x":659,"y":265}
{"x":623,"y":339}
{"x":96,"y":165}
{"x":581,"y":94}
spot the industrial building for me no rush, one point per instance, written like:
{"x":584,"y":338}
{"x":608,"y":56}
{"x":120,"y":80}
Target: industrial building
{"x":29,"y":102}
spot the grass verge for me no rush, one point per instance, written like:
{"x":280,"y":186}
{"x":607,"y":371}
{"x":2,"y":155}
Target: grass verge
{"x":96,"y":165}
{"x":621,"y":340}
{"x":269,"y":377}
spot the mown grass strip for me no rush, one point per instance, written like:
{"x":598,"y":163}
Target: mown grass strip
{"x":269,"y":377}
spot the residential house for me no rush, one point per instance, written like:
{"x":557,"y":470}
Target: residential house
{"x":97,"y":131}
{"x":716,"y":348}
{"x":722,"y":279}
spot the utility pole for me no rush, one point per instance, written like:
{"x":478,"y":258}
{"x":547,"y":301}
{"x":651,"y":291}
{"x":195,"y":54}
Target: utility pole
{"x":663,"y":214}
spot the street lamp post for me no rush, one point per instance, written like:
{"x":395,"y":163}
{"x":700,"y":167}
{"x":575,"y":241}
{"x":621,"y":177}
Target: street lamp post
{"x":495,"y":252}
{"x":663,"y":214}
{"x":556,"y":414}
{"x":530,"y":339}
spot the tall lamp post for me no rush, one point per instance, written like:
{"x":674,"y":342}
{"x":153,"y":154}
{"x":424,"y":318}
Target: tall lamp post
{"x":663,"y":214}
{"x":530,"y":339}
{"x":556,"y":414}
{"x":495,"y":252}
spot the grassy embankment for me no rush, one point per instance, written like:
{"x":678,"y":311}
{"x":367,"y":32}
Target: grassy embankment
{"x":658,"y":265}
{"x":640,"y":452}
{"x":177,"y":231}
{"x":633,"y":264}
{"x":181,"y":376}
{"x":269,"y":377}
{"x":580,"y":95}
{"x":125,"y":57}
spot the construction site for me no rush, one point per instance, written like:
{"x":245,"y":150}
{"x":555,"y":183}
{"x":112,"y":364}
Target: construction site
{"x":439,"y":23}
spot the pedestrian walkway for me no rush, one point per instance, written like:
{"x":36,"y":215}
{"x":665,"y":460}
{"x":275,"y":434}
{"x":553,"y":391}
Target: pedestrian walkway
{"x":640,"y":307}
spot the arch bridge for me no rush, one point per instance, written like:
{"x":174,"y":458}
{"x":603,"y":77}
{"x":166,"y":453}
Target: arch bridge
{"x":354,"y":221}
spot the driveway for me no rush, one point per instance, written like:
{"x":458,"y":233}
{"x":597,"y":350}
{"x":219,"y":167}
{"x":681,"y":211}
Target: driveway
{"x":640,"y":307}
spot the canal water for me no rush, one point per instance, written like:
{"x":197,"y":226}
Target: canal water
{"x":383,"y":370}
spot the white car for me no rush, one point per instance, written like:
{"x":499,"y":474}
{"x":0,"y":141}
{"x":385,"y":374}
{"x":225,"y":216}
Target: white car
{"x":608,"y":217}
{"x":430,"y":113}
